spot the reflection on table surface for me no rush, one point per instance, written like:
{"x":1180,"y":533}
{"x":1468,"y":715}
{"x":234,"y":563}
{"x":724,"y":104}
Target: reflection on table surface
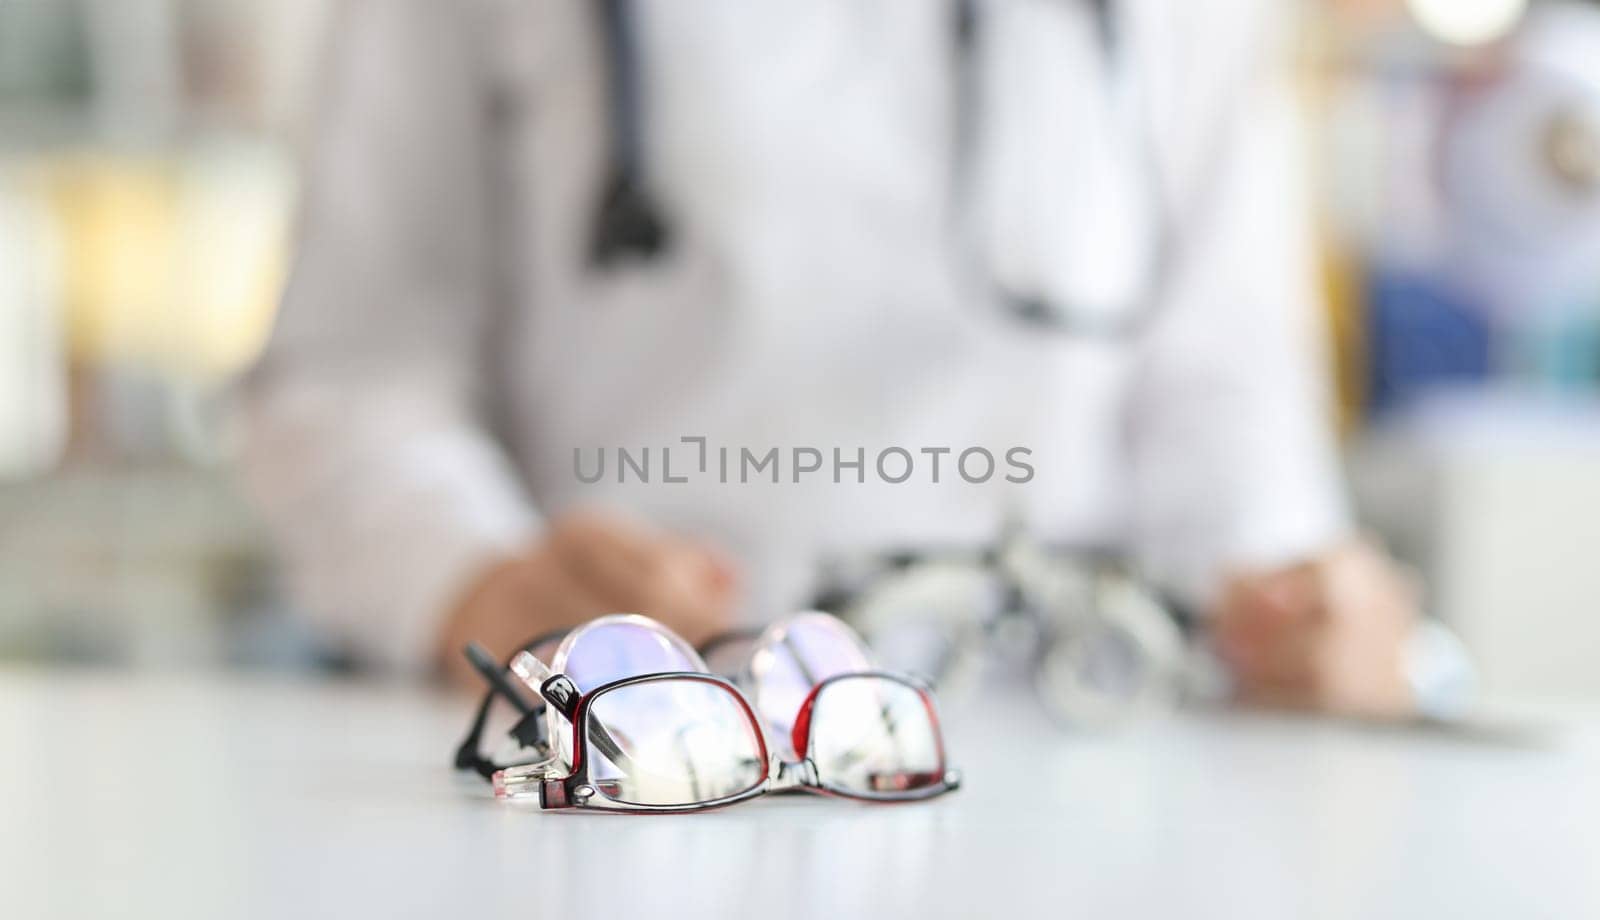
{"x":196,"y":796}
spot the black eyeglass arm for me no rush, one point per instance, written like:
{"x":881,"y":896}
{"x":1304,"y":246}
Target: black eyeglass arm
{"x":529,"y":730}
{"x":737,"y":634}
{"x":495,"y":675}
{"x":560,"y":692}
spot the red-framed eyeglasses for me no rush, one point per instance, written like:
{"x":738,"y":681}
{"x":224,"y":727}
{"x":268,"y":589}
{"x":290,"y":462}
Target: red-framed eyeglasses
{"x":681,"y":742}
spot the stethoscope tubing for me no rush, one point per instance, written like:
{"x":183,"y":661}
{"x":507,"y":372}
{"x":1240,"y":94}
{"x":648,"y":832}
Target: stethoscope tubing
{"x":629,"y":224}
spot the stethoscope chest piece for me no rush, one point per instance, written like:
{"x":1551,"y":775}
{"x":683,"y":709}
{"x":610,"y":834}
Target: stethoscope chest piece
{"x":628,"y":225}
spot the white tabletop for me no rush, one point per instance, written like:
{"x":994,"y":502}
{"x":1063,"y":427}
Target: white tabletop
{"x":208,"y":797}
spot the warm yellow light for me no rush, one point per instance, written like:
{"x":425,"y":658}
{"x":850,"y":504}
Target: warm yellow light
{"x":1467,"y":22}
{"x":173,"y":263}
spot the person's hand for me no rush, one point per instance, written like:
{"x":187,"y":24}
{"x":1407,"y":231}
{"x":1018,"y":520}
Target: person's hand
{"x":1328,"y":634}
{"x":589,"y":564}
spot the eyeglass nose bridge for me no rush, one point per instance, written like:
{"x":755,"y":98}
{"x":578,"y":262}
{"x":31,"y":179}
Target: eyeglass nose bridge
{"x":794,"y":775}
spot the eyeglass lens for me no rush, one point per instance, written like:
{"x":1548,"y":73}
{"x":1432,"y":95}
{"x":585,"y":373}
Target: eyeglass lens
{"x":609,"y":650}
{"x":809,"y":649}
{"x":673,"y":742}
{"x":874,"y":736}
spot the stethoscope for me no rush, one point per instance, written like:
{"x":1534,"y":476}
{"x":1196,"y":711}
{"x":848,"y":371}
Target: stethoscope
{"x":631,"y":225}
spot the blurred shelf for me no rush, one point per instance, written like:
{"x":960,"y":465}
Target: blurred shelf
{"x":143,"y":565}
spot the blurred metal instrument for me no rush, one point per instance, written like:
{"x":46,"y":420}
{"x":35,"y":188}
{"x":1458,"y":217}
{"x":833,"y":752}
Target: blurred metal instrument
{"x":1096,"y":644}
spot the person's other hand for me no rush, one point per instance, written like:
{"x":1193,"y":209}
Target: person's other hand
{"x":589,"y":564}
{"x":1327,"y":634}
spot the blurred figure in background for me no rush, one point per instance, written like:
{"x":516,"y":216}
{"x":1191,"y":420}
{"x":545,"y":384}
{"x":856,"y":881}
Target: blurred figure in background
{"x":541,"y":231}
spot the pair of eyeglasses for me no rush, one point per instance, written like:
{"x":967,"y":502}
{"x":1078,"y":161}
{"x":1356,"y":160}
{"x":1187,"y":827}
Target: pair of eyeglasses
{"x":775,"y":666}
{"x":689,"y":741}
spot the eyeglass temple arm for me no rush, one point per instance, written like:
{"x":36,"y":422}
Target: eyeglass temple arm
{"x":737,"y":634}
{"x":529,"y":728}
{"x":559,"y":691}
{"x":489,"y":669}
{"x":806,"y":674}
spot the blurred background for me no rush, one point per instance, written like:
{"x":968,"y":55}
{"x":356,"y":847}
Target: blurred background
{"x":147,"y":181}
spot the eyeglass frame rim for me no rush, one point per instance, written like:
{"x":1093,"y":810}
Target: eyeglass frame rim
{"x":560,"y":793}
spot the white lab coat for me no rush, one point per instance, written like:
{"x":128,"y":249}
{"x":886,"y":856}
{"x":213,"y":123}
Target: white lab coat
{"x":443,"y":346}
